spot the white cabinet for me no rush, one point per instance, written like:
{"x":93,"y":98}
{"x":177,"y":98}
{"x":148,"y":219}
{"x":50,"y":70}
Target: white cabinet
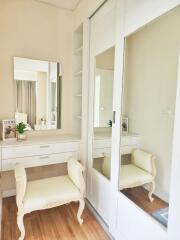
{"x":38,"y":152}
{"x":102,"y":144}
{"x":125,"y":219}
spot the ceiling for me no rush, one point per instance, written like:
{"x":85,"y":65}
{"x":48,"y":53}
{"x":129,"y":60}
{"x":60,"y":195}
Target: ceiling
{"x":67,"y":4}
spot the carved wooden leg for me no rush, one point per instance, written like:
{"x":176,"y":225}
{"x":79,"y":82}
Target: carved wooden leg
{"x":153,"y":185}
{"x":80,"y":211}
{"x":20,"y":224}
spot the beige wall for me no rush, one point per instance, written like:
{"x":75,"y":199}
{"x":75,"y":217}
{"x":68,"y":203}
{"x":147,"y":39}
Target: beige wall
{"x":38,"y":31}
{"x":150,"y":89}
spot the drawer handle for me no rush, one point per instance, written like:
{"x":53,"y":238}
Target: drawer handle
{"x":45,"y":146}
{"x":44,"y":157}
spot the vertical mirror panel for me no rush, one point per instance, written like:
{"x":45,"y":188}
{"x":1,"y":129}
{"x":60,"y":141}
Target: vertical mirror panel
{"x":150,"y":80}
{"x":38,"y":93}
{"x":103,"y":100}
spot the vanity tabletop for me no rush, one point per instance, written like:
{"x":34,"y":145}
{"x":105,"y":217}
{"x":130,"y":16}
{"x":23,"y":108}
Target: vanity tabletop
{"x":107,"y":135}
{"x":43,"y":139}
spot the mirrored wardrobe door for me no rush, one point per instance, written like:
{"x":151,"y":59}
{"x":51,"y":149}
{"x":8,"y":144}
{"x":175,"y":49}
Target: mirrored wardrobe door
{"x":102,"y":53}
{"x":149,"y":99}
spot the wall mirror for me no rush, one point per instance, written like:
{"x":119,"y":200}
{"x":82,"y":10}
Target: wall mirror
{"x":150,"y":79}
{"x":37,"y":93}
{"x":103,"y":103}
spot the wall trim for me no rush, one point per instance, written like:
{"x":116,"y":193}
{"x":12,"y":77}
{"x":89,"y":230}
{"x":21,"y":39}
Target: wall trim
{"x":99,"y":219}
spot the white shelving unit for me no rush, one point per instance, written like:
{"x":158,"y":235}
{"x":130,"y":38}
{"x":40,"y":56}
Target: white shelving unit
{"x":78,"y":78}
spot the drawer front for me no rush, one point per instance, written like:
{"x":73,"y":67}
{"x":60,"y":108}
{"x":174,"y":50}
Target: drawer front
{"x":99,"y":152}
{"x":35,"y":161}
{"x":129,"y":140}
{"x":128,"y":149}
{"x":37,"y":150}
{"x":103,"y":143}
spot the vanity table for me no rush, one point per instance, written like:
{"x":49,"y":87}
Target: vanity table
{"x":102,"y":144}
{"x":39,"y":151}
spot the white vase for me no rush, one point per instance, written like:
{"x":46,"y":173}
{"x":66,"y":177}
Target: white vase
{"x":21,"y":136}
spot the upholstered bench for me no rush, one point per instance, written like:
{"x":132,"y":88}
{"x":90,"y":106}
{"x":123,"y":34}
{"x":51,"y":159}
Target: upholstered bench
{"x":49,"y":192}
{"x":141,"y":171}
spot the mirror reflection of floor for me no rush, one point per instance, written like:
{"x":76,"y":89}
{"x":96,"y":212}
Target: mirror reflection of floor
{"x":157,"y":209}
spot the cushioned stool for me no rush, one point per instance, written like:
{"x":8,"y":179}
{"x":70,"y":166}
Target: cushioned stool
{"x":49,"y":192}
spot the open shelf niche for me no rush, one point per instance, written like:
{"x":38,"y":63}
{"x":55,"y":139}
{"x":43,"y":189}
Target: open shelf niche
{"x":78,"y":76}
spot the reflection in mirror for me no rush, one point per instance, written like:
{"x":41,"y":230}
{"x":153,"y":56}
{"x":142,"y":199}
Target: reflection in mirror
{"x":103,"y":100}
{"x":38,"y":93}
{"x":150,"y":79}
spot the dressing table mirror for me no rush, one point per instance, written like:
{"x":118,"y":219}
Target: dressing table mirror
{"x":37,"y":93}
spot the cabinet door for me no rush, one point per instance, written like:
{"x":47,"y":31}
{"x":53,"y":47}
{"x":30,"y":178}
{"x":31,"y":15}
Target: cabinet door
{"x":102,"y":53}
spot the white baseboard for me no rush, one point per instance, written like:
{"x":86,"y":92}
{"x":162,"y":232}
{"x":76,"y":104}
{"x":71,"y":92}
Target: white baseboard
{"x":162,"y":195}
{"x":99,"y":219}
{"x":9,"y":193}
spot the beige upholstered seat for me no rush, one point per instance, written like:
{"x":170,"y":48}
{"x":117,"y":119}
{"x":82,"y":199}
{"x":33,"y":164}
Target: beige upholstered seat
{"x":49,"y":192}
{"x":133,"y":176}
{"x":141,"y":171}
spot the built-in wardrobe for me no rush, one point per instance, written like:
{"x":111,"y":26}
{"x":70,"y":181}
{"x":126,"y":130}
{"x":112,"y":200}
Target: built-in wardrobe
{"x":132,"y":45}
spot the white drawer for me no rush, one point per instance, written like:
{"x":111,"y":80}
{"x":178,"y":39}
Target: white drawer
{"x":129,"y":140}
{"x":128,"y":149}
{"x":102,"y":143}
{"x":38,"y":160}
{"x":99,"y":152}
{"x":37,"y":150}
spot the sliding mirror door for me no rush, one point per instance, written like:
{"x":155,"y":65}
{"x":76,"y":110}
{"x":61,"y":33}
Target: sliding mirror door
{"x":103,"y":100}
{"x":150,"y":81}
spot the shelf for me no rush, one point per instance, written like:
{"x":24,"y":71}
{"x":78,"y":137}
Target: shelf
{"x":78,"y":95}
{"x":79,"y":117}
{"x":78,"y":51}
{"x":77,"y":74}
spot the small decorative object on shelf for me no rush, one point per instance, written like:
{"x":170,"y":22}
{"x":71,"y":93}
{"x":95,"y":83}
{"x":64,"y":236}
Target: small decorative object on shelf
{"x":8,"y":129}
{"x":20,"y":129}
{"x":125,"y":125}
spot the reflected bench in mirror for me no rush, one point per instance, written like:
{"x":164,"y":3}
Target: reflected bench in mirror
{"x":37,"y":93}
{"x":141,"y":171}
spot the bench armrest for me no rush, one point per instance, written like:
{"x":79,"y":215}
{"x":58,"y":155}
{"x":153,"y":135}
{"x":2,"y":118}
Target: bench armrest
{"x":21,"y":182}
{"x":145,"y":161}
{"x":75,"y":173}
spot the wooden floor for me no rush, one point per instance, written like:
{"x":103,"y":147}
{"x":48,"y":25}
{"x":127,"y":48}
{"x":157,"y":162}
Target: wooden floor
{"x":53,"y":224}
{"x":140,"y":196}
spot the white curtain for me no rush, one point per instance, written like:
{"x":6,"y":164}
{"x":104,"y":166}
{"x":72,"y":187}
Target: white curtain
{"x":26,"y":99}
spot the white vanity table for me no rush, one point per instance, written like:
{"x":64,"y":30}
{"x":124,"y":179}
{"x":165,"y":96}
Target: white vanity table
{"x":102,"y":143}
{"x":39,"y":151}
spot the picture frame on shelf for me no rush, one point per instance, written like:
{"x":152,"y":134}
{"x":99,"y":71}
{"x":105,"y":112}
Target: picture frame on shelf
{"x":125,"y":125}
{"x":8,"y":129}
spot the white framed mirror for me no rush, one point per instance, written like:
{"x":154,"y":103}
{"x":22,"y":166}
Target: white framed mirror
{"x":37,"y":93}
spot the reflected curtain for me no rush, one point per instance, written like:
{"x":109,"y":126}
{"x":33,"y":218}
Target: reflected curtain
{"x":26,"y":99}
